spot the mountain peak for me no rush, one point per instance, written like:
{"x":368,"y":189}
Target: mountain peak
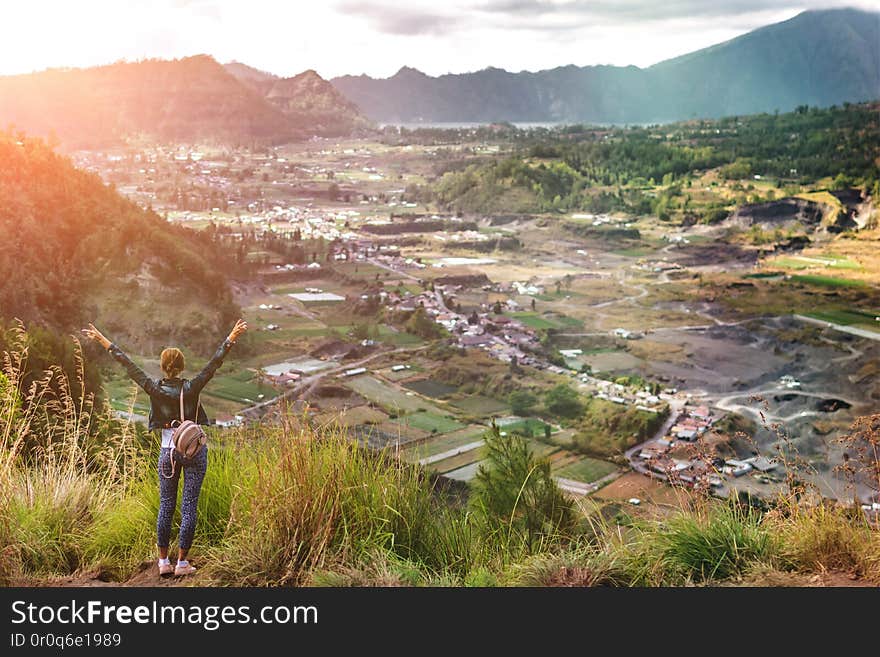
{"x":408,"y":71}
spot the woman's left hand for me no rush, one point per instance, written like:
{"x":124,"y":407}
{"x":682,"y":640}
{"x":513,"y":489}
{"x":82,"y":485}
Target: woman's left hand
{"x":94,"y":334}
{"x":239,"y":328}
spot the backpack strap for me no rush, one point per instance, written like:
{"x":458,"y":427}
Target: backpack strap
{"x":198,"y":403}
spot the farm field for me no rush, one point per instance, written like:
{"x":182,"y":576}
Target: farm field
{"x":429,"y":388}
{"x":478,"y":405}
{"x":856,"y":318}
{"x":464,"y":473}
{"x":827,"y":281}
{"x":397,"y":338}
{"x":430,"y":422}
{"x":124,"y":395}
{"x":528,"y":427}
{"x":389,"y":397}
{"x":445,"y":442}
{"x":586,"y":470}
{"x":457,"y":461}
{"x":538,"y":321}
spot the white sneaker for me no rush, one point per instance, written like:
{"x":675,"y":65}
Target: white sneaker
{"x":184,"y":569}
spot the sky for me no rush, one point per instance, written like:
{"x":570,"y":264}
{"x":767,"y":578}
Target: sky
{"x":378,"y":37}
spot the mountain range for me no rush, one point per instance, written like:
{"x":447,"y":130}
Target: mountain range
{"x":817,"y":58}
{"x":190,"y":99}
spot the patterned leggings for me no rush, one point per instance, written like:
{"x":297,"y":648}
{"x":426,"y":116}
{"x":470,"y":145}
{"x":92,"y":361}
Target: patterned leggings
{"x":193,"y":475}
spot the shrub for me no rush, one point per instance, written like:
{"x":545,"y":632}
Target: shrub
{"x":710,"y":544}
{"x":516,"y":496}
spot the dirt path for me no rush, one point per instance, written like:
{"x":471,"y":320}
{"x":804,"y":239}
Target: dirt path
{"x":146,"y":575}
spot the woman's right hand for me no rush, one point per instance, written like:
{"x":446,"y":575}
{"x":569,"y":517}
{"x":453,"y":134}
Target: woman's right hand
{"x":239,"y":328}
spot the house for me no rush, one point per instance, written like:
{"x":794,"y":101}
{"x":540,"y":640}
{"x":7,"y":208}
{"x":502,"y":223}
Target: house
{"x":700,"y":412}
{"x":736,"y":468}
{"x":475,"y":340}
{"x":654,"y":449}
{"x":226,"y":420}
{"x":284,"y":379}
{"x":681,"y":433}
{"x":761,"y":463}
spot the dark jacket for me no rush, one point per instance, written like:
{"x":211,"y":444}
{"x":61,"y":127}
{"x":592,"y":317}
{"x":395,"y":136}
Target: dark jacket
{"x":165,"y":393}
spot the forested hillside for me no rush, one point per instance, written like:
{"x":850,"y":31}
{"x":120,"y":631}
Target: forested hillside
{"x":73,"y":251}
{"x":620,"y":169}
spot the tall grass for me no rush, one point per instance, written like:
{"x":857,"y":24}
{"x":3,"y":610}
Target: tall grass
{"x":318,"y":500}
{"x":714,"y":542}
{"x":824,"y":538}
{"x":54,"y":473}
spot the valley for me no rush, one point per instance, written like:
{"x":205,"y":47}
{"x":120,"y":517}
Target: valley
{"x":611,"y":341}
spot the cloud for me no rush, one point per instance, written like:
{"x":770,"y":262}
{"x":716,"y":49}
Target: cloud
{"x":642,"y":10}
{"x":401,"y":21}
{"x":547,"y":13}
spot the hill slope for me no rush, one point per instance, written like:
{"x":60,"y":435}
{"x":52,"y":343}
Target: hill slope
{"x":307,"y":100}
{"x":818,"y":58}
{"x":191,"y":99}
{"x":75,"y":251}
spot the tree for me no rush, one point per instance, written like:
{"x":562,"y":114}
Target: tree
{"x":533,"y":305}
{"x":497,"y":308}
{"x":514,"y":492}
{"x":362,"y":331}
{"x":514,"y":365}
{"x":423,"y":326}
{"x":522,"y":402}
{"x":563,"y":401}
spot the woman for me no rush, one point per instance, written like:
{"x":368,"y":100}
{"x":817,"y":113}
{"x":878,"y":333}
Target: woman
{"x":164,"y":410}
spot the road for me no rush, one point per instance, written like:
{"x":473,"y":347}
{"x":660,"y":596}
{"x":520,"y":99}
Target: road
{"x":852,"y":330}
{"x":675,"y":407}
{"x":455,"y":451}
{"x":726,"y":403}
{"x":381,"y":265}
